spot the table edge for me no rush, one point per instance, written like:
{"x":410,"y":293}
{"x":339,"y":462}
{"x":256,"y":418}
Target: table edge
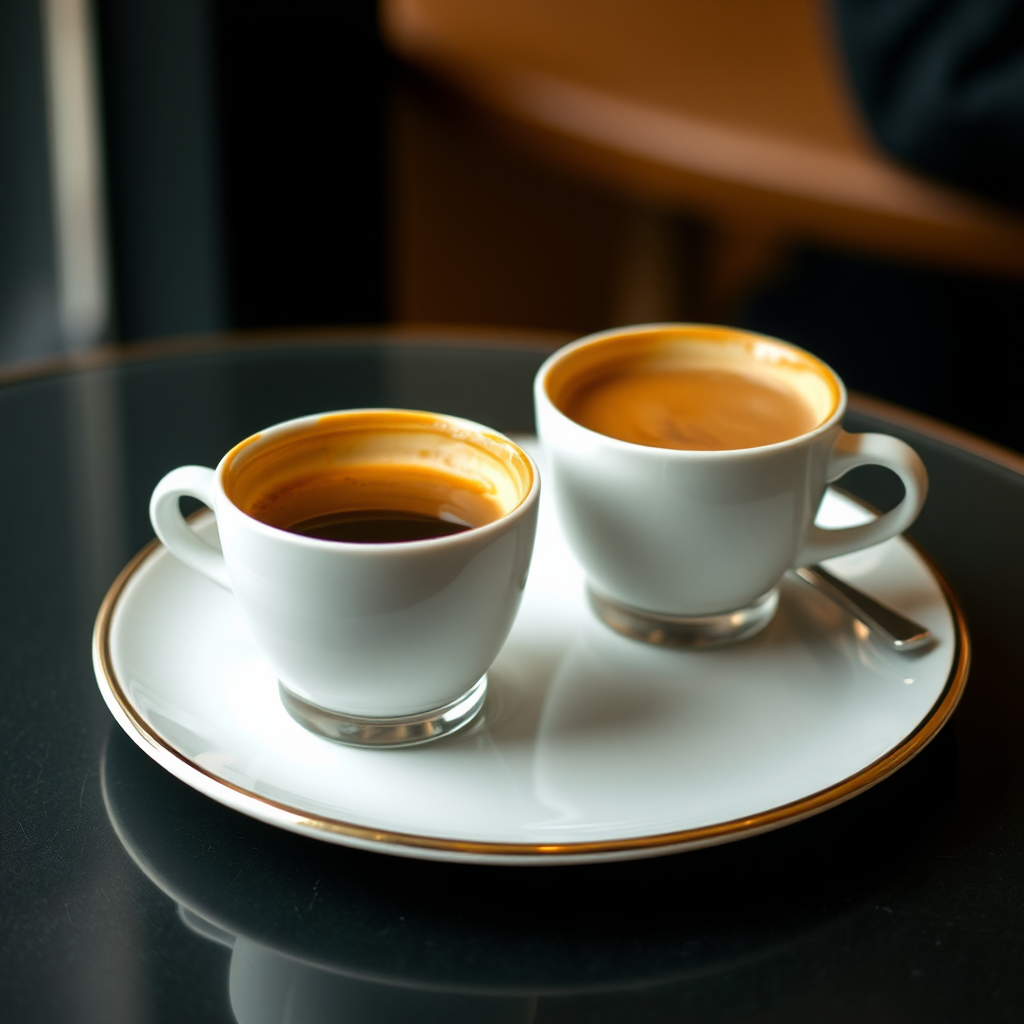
{"x":457,"y":335}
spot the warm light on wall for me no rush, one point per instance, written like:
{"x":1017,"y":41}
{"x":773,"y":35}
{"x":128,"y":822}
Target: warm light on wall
{"x":76,"y":171}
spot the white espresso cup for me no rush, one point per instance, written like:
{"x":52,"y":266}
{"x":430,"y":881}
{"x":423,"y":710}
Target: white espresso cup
{"x":373,"y":643}
{"x":686,"y":528}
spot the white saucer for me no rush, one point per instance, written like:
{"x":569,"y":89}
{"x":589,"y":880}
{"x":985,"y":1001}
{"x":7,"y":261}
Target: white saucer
{"x":592,"y":747}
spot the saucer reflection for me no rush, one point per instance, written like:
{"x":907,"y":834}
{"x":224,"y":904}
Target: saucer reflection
{"x":319,"y":933}
{"x":271,"y":979}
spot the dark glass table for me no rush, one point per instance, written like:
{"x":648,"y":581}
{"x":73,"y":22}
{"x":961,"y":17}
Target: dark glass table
{"x":126,"y":896}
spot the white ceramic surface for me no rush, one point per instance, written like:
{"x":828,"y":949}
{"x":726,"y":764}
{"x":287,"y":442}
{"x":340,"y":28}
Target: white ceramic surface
{"x":592,"y":746}
{"x":697,"y":533}
{"x":372,"y":630}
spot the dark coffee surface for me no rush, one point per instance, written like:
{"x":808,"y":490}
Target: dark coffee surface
{"x":128,"y":898}
{"x":376,"y":526}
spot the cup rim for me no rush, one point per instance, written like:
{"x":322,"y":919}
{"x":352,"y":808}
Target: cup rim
{"x":685,"y":454}
{"x":474,"y":533}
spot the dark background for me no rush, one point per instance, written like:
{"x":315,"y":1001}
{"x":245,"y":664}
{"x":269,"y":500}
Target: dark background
{"x":268,"y":164}
{"x":247,"y":162}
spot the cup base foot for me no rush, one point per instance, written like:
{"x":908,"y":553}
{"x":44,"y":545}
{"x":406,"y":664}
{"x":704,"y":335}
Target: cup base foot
{"x":401,"y":731}
{"x":703,"y":631}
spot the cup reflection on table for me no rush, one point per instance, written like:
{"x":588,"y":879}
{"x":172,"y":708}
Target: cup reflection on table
{"x":269,"y":985}
{"x":266,"y":986}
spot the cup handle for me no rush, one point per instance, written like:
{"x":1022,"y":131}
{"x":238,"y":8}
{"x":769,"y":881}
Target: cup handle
{"x":869,"y":450}
{"x":180,"y":539}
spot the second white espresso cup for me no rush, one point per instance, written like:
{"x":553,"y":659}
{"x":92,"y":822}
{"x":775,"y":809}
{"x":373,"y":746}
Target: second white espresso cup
{"x":378,"y":644}
{"x":689,"y":546}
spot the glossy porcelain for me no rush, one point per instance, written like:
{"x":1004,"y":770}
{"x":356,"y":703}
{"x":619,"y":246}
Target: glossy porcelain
{"x":702,"y":533}
{"x":591,"y":747}
{"x":371,"y":630}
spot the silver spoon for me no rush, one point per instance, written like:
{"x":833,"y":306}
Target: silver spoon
{"x":899,"y":632}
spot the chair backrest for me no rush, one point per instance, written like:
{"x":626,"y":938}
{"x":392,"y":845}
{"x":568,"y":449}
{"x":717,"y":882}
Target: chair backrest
{"x":735,"y":108}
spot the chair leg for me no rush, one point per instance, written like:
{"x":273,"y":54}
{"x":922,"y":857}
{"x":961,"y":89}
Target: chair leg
{"x":736,"y":259}
{"x":676,"y":268}
{"x":652,"y":279}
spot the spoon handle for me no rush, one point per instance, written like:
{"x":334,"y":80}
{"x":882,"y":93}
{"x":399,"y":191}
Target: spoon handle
{"x":898,"y":631}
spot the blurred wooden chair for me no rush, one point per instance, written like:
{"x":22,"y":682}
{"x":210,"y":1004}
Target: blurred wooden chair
{"x":733,"y":112}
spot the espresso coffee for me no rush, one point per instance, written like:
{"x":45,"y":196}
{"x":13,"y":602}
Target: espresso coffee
{"x":696,"y":409}
{"x":692,"y":387}
{"x":375,"y":503}
{"x":376,"y":526}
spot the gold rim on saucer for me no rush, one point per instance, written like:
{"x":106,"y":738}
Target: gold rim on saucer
{"x":294,"y":819}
